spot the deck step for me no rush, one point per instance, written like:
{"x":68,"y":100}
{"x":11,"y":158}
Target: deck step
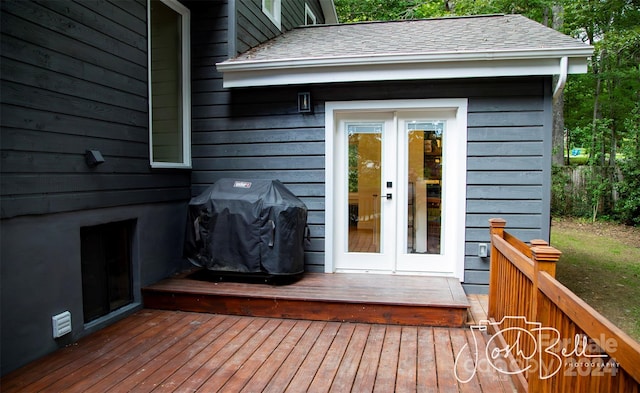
{"x":368,"y":298}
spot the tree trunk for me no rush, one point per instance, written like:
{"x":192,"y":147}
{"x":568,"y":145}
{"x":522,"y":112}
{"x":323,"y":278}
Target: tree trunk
{"x":557,"y":138}
{"x":596,"y":105}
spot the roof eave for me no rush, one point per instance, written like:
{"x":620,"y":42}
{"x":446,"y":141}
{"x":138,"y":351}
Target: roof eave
{"x":443,"y":65}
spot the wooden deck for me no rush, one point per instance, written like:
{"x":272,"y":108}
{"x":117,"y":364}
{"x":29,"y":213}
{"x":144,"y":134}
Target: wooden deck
{"x":173,"y":351}
{"x":368,"y":298}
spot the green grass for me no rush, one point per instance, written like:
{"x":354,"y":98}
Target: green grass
{"x":603,"y":271}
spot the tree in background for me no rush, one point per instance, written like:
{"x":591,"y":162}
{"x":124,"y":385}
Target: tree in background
{"x":599,"y":110}
{"x":602,"y":106}
{"x":350,"y":11}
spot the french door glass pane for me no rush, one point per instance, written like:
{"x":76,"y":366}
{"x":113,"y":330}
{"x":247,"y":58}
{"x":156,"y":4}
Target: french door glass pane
{"x":424,"y":182}
{"x":364,"y":181}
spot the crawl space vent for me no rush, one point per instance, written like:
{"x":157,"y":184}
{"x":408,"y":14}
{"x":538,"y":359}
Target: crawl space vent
{"x":61,"y":324}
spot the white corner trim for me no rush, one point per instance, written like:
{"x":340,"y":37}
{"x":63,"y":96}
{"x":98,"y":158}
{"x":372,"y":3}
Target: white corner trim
{"x":329,"y":208}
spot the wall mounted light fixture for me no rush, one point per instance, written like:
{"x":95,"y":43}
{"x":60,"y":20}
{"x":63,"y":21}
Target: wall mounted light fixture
{"x":304,"y":102}
{"x":93,"y":158}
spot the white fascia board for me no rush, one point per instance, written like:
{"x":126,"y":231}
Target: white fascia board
{"x":396,"y":72}
{"x":400,"y":67}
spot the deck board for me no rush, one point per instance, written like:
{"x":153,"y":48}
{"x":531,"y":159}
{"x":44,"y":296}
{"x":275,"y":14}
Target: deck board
{"x":407,"y":360}
{"x":309,"y":367}
{"x":281,"y":367}
{"x":444,"y":361}
{"x":156,"y":350}
{"x":240,"y":379}
{"x":427,"y":376}
{"x":333,"y":358}
{"x":386,"y":375}
{"x":186,"y":357}
{"x":478,"y":308}
{"x":370,"y":298}
{"x":366,"y":375}
{"x":240,"y":357}
{"x":343,"y":380}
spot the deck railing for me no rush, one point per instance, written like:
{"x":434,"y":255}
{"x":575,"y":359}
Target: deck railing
{"x":551,"y":339}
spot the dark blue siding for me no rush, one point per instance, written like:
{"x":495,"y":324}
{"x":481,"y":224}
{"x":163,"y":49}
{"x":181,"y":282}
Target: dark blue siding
{"x":253,"y":27}
{"x":74,"y":77}
{"x":261,"y":135}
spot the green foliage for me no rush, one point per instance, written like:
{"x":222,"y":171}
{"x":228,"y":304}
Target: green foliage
{"x":628,"y":185}
{"x":566,"y":198}
{"x":538,"y":10}
{"x":350,"y":11}
{"x":378,"y":10}
{"x":599,"y":106}
{"x":601,"y":268}
{"x":429,"y":9}
{"x":578,"y":108}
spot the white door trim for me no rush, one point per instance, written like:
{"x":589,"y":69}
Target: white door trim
{"x":335,"y":107}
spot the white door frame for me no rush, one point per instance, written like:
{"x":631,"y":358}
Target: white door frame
{"x":457,"y":204}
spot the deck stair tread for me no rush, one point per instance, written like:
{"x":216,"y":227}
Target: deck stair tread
{"x":373,"y":298}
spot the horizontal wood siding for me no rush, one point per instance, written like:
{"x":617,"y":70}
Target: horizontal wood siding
{"x":253,"y":27}
{"x":237,"y":136}
{"x":74,"y":77}
{"x":258,"y":133}
{"x":507,"y":170}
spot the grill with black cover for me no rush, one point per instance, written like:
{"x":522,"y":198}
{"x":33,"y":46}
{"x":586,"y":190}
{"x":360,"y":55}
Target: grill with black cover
{"x":247,"y":226}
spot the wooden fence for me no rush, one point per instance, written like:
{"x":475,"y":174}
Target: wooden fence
{"x":574,"y":186}
{"x":552,"y":340}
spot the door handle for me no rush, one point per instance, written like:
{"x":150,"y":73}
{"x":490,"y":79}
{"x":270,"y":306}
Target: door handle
{"x":389,"y":196}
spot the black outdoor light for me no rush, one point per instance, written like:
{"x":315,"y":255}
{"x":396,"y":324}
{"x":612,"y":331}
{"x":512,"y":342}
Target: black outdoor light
{"x":304,"y":102}
{"x":93,"y":158}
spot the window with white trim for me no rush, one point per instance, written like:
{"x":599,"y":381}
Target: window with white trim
{"x":309,"y":16}
{"x":169,"y":84}
{"x":271,"y":8}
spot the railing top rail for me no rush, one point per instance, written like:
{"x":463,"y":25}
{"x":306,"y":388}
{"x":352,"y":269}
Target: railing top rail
{"x":519,"y":259}
{"x":518,"y":244}
{"x":593,"y":323}
{"x":538,"y":262}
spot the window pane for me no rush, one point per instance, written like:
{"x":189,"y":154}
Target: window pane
{"x":269,"y":6}
{"x":424,"y":182}
{"x":365,"y":174}
{"x":166,"y":87}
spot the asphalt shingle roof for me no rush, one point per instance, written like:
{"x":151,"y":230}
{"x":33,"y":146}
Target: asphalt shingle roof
{"x":476,"y":34}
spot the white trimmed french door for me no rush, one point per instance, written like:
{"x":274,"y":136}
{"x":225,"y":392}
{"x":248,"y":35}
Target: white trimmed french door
{"x":396,"y":186}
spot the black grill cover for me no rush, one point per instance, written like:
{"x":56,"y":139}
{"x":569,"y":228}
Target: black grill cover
{"x":247,"y":226}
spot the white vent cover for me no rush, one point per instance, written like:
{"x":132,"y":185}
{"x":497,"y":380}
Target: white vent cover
{"x":61,"y":324}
